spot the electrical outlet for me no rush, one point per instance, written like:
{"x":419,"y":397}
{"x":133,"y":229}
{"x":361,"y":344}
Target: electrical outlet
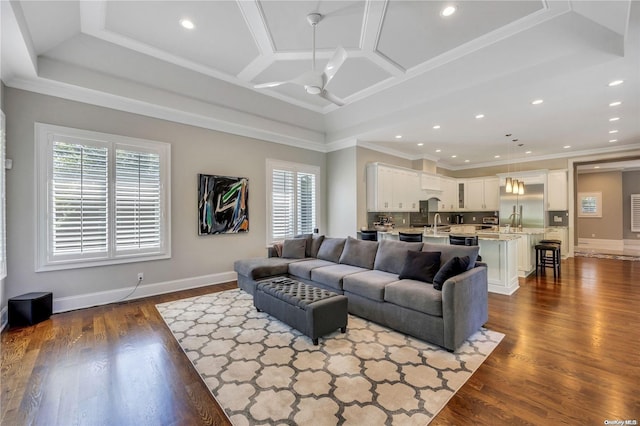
{"x":593,"y":235}
{"x":473,"y":218}
{"x":140,"y":276}
{"x":404,"y":221}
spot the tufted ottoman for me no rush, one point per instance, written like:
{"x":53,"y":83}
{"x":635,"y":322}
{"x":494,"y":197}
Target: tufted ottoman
{"x":311,"y":310}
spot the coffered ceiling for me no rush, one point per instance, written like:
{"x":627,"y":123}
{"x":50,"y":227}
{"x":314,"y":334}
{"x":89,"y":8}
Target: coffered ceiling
{"x":408,"y":69}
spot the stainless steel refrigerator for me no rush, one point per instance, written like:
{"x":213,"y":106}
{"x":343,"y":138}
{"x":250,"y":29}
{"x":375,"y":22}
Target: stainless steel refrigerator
{"x":526,"y":210}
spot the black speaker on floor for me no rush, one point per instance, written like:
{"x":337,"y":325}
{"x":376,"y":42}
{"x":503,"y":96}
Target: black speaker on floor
{"x":30,"y":308}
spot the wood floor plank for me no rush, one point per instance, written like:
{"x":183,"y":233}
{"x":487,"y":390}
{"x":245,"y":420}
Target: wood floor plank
{"x":570,"y":356}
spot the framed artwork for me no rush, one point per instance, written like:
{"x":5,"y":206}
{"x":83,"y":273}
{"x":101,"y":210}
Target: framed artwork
{"x":223,"y":204}
{"x":590,"y":204}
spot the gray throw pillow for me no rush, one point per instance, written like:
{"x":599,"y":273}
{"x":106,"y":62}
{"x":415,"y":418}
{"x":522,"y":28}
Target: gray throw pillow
{"x":449,"y":252}
{"x":331,"y":249}
{"x":359,"y":253}
{"x":392,"y":254}
{"x":307,"y":238}
{"x":421,"y":266}
{"x":316,"y":242}
{"x":294,"y":249}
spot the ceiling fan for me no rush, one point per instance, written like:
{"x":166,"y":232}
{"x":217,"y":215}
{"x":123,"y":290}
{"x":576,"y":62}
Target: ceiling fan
{"x":315,"y":81}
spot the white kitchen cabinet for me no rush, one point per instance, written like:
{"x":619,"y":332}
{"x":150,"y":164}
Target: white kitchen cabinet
{"x":557,"y":190}
{"x":430,"y":182}
{"x":391,"y":189}
{"x":560,"y":233}
{"x":449,"y":197}
{"x":482,"y":194}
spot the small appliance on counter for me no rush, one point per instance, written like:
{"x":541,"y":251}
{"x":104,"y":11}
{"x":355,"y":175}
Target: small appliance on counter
{"x":384,"y":224}
{"x":490,"y":223}
{"x":457,"y":219}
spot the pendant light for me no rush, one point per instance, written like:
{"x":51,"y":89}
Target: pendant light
{"x":512,"y":185}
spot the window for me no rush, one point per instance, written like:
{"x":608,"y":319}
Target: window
{"x":3,"y":202}
{"x":590,"y":204}
{"x":292,"y":199}
{"x":102,"y":199}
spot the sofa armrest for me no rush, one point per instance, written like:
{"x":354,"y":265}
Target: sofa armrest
{"x":465,"y":305}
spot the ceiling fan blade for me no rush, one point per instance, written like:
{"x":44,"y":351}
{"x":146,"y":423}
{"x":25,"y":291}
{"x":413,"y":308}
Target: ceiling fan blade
{"x":331,"y":98}
{"x":334,"y":64}
{"x":271,"y":84}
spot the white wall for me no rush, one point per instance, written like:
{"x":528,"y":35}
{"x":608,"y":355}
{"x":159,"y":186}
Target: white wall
{"x":194,"y":150}
{"x":341,"y":193}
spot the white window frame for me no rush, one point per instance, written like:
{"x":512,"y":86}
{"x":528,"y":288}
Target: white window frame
{"x":45,"y":136}
{"x":596,"y":197}
{"x":272,"y":164}
{"x":3,"y":199}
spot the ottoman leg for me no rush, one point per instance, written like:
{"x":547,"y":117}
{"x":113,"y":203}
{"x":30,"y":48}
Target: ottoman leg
{"x":315,"y":341}
{"x":343,"y":330}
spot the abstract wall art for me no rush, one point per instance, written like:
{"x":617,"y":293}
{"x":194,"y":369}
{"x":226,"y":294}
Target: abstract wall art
{"x":223,"y":204}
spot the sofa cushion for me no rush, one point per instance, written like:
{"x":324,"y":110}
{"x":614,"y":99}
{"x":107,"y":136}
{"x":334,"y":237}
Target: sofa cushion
{"x":414,"y":295}
{"x":316,"y":242}
{"x":453,"y":267}
{"x":308,"y":238}
{"x":421,"y":266}
{"x":262,"y":267}
{"x":303,"y":269}
{"x":294,"y":249}
{"x":448,"y":252}
{"x":369,"y":284}
{"x":331,"y":276}
{"x":331,"y":249}
{"x":359,"y":253}
{"x":391,"y":254}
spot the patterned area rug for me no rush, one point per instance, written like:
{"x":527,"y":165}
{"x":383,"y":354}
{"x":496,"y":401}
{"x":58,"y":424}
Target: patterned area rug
{"x":606,"y":256}
{"x":262,"y":371}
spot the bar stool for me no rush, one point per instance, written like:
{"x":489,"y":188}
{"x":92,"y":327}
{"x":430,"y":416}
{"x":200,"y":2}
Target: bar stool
{"x":410,"y":237}
{"x":548,"y":256}
{"x":369,"y":235}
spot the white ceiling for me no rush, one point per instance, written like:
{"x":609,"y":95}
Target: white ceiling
{"x":408,"y":69}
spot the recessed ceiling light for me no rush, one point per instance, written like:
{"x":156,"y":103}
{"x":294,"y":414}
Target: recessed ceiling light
{"x":537,"y":102}
{"x":613,"y":131}
{"x":437,"y":126}
{"x":448,"y":11}
{"x":496,"y":156}
{"x":613,"y":140}
{"x":616,"y":83}
{"x":527,"y":152}
{"x":438,"y":150}
{"x":614,"y":119}
{"x":187,"y":23}
{"x":420,"y":144}
{"x":596,"y":167}
{"x":466,"y":161}
{"x":616,"y":103}
{"x":454,"y":156}
{"x":479,"y":116}
{"x":398,"y":136}
{"x":567,"y":146}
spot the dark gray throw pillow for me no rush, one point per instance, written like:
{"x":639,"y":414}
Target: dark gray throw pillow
{"x":453,"y":267}
{"x":421,"y":266}
{"x":308,"y":238}
{"x":294,"y":249}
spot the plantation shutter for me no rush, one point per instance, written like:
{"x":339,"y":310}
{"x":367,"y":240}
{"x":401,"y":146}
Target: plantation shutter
{"x":283,"y":204}
{"x":137,"y":201}
{"x":306,"y":203}
{"x":635,"y":212}
{"x":79,"y":193}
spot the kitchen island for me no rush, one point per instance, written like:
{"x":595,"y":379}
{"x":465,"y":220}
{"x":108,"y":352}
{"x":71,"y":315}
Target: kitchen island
{"x":498,"y":250}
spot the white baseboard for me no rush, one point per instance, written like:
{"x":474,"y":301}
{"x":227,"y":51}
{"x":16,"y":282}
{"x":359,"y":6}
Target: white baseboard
{"x":587,"y":243}
{"x":632,"y":243}
{"x":4,"y":318}
{"x":71,"y":303}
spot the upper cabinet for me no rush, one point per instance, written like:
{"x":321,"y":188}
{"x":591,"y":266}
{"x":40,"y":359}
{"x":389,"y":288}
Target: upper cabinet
{"x":557,"y":190}
{"x":449,"y":197}
{"x":391,"y":189}
{"x":482,"y":194}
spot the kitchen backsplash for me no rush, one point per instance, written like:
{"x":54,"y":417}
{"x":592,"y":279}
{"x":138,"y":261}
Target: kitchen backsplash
{"x":404,"y":219}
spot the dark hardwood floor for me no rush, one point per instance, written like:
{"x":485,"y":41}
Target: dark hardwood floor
{"x":570,"y":356}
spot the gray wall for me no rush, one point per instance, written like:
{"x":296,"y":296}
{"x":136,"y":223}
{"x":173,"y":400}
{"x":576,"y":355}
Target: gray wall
{"x":630,"y":185}
{"x":3,"y":298}
{"x":341,"y":190}
{"x":193,"y":150}
{"x":609,"y":226}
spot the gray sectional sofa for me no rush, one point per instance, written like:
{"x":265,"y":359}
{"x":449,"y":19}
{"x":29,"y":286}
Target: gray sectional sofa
{"x":368,"y":273}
